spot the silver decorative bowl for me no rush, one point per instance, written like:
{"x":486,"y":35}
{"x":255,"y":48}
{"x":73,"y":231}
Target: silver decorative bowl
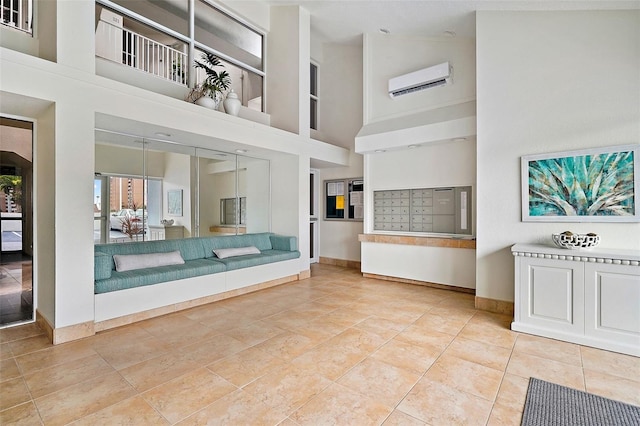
{"x":167,"y":222}
{"x":576,"y":241}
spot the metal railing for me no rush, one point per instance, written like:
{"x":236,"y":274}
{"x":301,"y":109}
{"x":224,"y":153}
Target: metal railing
{"x":16,"y":14}
{"x":121,"y":45}
{"x":145,"y":54}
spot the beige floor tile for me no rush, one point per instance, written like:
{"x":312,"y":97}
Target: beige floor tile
{"x":315,"y":308}
{"x":440,"y":323}
{"x":457,"y":313}
{"x":492,"y":320}
{"x":288,"y":388}
{"x":86,"y":398}
{"x":52,"y":379}
{"x":19,"y":333}
{"x":254,"y":333}
{"x":513,"y":392}
{"x":246,"y":366}
{"x":133,"y":411}
{"x":29,"y":344}
{"x":123,"y":356}
{"x":13,"y":392}
{"x":55,"y":355}
{"x":384,"y":328}
{"x":421,"y":336}
{"x":5,"y":351}
{"x":438,"y":404}
{"x":525,"y":365}
{"x":613,"y":387}
{"x":320,"y":329}
{"x":491,"y":356}
{"x":21,"y":415}
{"x":171,"y":368}
{"x":504,"y":416}
{"x":549,"y":348}
{"x":121,"y":336}
{"x":9,"y":369}
{"x":497,"y":335}
{"x":466,"y":376}
{"x":156,"y":371}
{"x":287,"y":346}
{"x":346,"y":317}
{"x":236,"y":408}
{"x":407,"y":356}
{"x":208,"y":351}
{"x":398,"y":418}
{"x":187,"y":394}
{"x":616,"y":364}
{"x":329,"y":361}
{"x":338,"y":405}
{"x":380,"y":381}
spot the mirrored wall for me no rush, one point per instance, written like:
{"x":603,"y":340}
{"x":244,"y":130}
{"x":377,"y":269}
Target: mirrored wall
{"x":147,"y":189}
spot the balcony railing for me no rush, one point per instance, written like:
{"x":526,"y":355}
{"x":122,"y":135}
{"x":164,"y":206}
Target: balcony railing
{"x":16,"y":14}
{"x":142,"y":53}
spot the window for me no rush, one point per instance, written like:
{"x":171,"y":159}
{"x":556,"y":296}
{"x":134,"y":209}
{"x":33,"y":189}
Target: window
{"x":313,"y":107}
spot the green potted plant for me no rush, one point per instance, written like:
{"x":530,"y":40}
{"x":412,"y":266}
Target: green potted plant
{"x":215,"y":83}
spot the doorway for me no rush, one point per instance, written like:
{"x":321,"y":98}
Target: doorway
{"x":314,"y":242}
{"x":16,"y":222}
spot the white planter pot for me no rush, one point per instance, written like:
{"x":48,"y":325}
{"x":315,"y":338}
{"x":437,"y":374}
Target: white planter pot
{"x":232,"y":103}
{"x":208,"y":102}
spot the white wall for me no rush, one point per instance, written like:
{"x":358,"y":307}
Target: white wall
{"x":339,"y":120}
{"x":44,"y":202}
{"x":547,"y":82}
{"x":177,"y":175}
{"x":338,"y":238}
{"x":388,"y":56}
{"x":288,"y":50}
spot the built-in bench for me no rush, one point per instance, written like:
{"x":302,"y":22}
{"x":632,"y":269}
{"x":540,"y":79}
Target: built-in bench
{"x":138,"y":280}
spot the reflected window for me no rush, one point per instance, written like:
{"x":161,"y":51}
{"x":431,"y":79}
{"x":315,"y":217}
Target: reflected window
{"x":313,"y":94}
{"x":132,"y":204}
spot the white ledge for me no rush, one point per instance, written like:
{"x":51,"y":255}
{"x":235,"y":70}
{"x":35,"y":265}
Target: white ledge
{"x":592,"y":255}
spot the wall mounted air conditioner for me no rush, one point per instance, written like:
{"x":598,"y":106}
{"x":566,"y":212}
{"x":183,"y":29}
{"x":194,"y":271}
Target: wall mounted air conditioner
{"x":416,"y":81}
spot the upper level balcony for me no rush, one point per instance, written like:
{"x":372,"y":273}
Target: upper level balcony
{"x":134,"y":49}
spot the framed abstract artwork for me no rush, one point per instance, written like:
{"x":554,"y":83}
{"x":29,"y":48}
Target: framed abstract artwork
{"x":174,"y":202}
{"x":590,"y":185}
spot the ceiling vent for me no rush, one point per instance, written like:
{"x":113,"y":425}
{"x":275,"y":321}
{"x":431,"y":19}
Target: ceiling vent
{"x":417,"y":81}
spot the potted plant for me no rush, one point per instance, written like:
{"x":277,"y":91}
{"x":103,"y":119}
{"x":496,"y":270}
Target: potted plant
{"x":215,"y":83}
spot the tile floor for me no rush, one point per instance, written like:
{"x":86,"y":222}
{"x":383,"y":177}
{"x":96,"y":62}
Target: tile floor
{"x":333,"y":349}
{"x":16,"y":296}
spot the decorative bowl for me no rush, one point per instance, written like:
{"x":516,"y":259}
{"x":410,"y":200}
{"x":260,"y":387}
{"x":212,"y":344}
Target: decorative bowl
{"x":167,"y":222}
{"x":576,"y":241}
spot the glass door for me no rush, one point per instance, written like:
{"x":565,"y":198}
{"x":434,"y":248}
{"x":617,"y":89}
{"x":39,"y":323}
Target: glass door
{"x":16,"y":222}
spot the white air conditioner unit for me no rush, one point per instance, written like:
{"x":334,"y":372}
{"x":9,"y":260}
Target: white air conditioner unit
{"x":416,"y":81}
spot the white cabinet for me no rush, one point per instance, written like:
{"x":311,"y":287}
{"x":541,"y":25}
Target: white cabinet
{"x":587,"y":297}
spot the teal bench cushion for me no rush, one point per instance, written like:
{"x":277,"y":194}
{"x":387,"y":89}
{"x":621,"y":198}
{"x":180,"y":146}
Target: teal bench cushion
{"x":283,"y":242}
{"x":267,"y":256}
{"x":261,"y":241}
{"x":149,"y":276}
{"x":188,"y":247}
{"x":102,"y":265}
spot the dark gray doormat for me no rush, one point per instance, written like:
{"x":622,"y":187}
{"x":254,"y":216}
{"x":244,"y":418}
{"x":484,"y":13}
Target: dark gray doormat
{"x":548,"y":404}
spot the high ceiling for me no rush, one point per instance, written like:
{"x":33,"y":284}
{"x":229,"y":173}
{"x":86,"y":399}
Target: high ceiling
{"x":343,"y":21}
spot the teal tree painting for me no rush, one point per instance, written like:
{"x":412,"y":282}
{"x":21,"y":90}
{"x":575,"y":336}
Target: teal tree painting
{"x":591,"y":186}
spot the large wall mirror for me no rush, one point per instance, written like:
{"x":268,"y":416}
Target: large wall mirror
{"x":154,"y":190}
